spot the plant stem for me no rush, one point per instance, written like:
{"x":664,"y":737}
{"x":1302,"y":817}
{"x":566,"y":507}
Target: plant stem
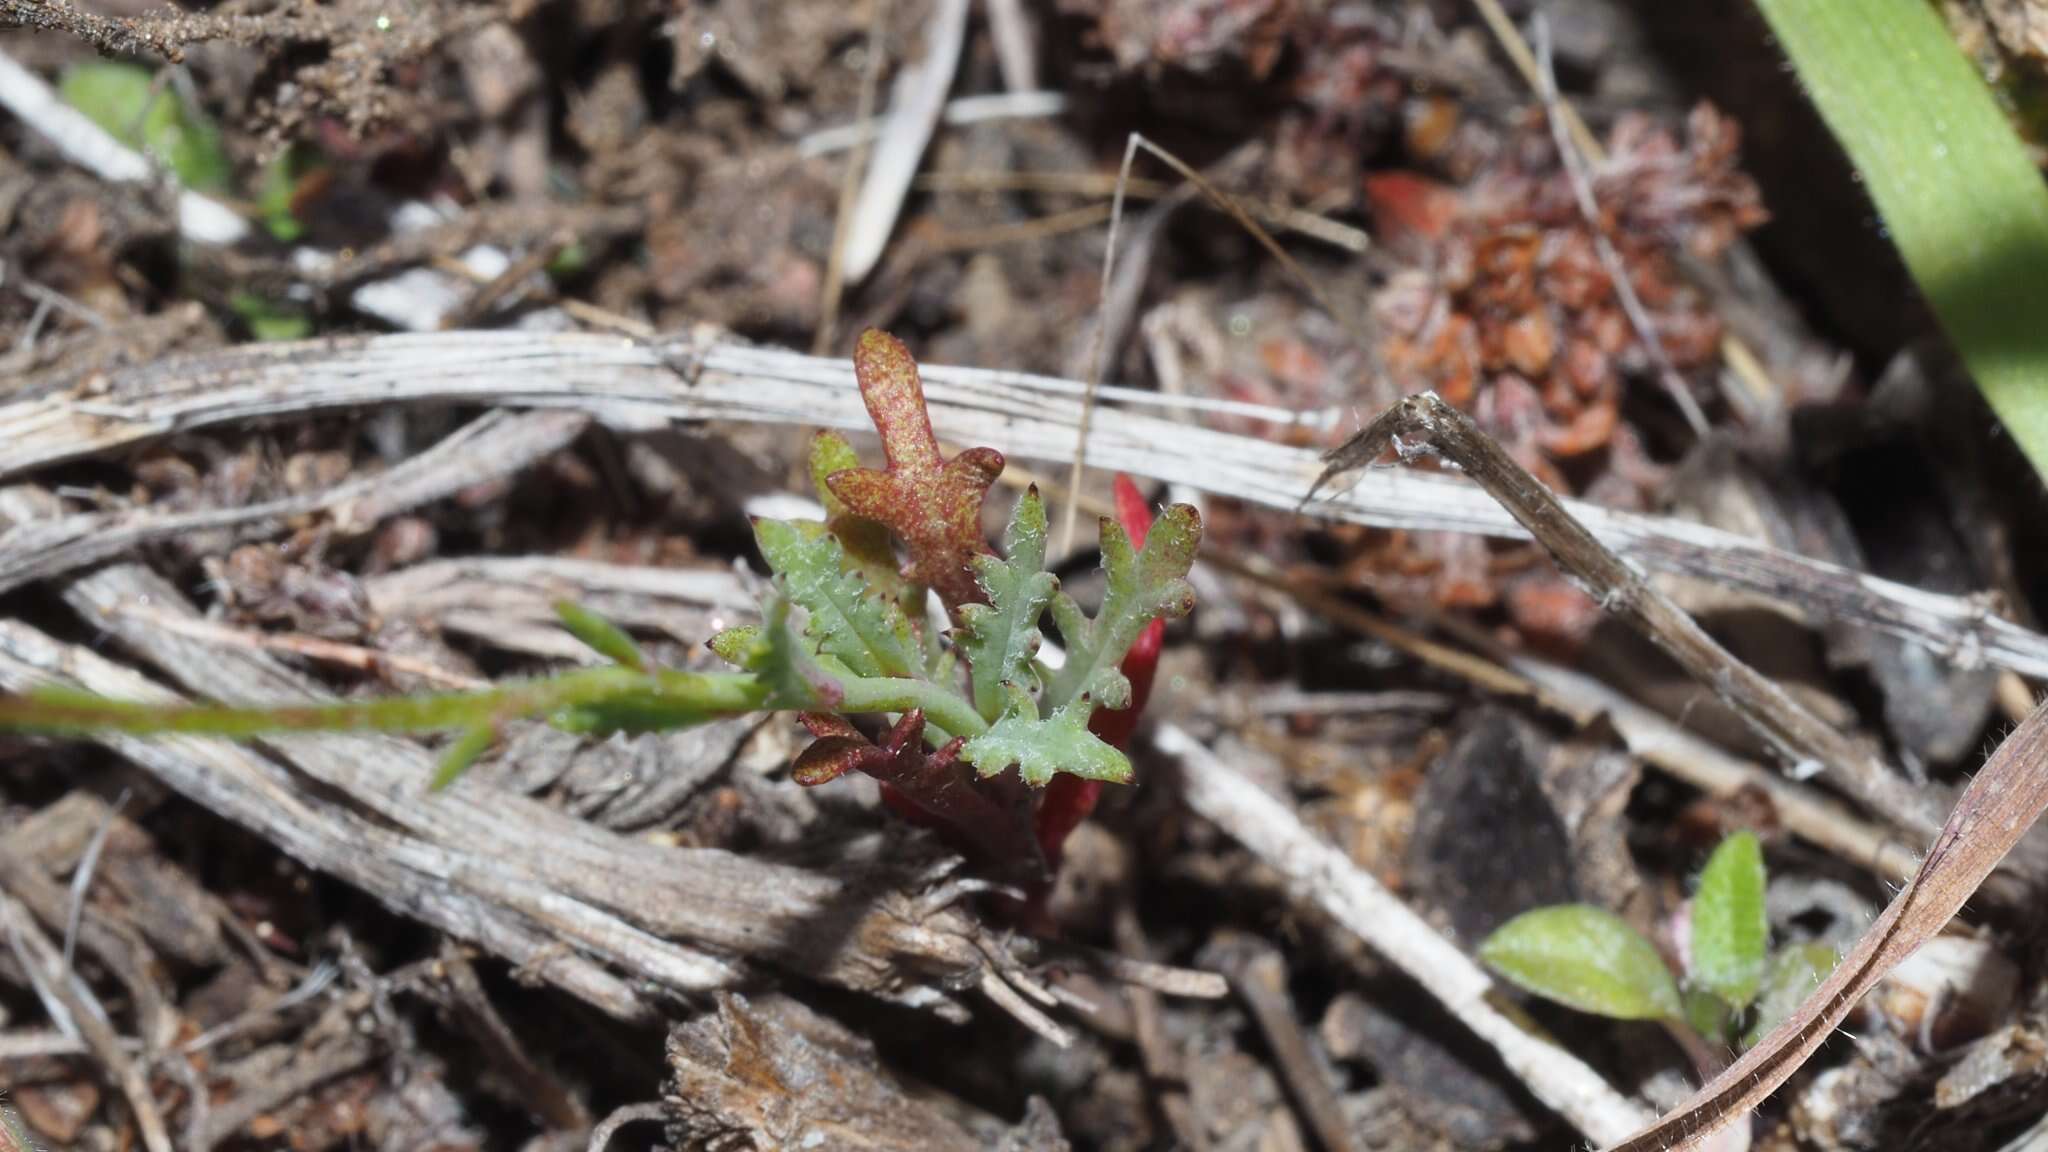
{"x":686,"y":694}
{"x":942,"y":708}
{"x":1707,"y":1059}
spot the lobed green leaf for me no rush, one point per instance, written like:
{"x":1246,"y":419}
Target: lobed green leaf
{"x":1001,"y":638}
{"x":790,"y":675}
{"x":1040,"y":748}
{"x":867,"y":633}
{"x":1143,"y":586}
{"x":866,"y":541}
{"x":1585,"y":958}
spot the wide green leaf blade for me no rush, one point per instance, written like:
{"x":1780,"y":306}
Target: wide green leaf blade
{"x":1730,"y":933}
{"x":1951,"y":179}
{"x":1585,"y":958}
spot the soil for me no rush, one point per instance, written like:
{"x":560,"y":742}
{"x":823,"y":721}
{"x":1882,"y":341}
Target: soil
{"x":290,"y":945}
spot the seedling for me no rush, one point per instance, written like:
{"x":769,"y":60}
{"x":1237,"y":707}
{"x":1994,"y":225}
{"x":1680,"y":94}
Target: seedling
{"x":1732,"y":988}
{"x":142,"y":111}
{"x":985,"y":740}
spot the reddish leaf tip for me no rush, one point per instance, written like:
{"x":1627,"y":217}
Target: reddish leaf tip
{"x":894,"y":394}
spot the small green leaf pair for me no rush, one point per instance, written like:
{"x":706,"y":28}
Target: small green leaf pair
{"x":1590,"y":959}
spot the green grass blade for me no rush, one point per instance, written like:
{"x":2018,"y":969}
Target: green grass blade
{"x":1951,"y":179}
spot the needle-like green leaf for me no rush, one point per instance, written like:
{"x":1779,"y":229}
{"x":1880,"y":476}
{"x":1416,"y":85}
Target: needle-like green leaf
{"x":600,"y":635}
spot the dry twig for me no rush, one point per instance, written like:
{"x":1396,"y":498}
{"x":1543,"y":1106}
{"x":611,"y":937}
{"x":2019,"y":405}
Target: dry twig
{"x":1425,"y":423}
{"x":1259,"y":973}
{"x":915,"y":102}
{"x":703,"y":374}
{"x":834,"y":286}
{"x":1319,"y":873}
{"x":653,"y":1112}
{"x":1655,"y":739}
{"x":39,"y":545}
{"x":91,"y":1023}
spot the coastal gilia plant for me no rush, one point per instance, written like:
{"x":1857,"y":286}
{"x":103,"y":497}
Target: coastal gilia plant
{"x":1733,"y":989}
{"x":974,"y":724}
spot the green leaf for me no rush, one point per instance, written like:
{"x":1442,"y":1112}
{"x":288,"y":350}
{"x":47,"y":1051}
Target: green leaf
{"x":125,"y":100}
{"x":1585,"y":958}
{"x":735,"y":645}
{"x":1143,"y":587}
{"x":788,"y":669}
{"x":462,"y":753}
{"x":1730,"y":934}
{"x":866,"y":541}
{"x":569,"y":262}
{"x":1957,"y":191}
{"x":269,"y":320}
{"x":1000,"y":638}
{"x":1789,"y":979}
{"x":600,"y":635}
{"x":658,"y":701}
{"x":1708,"y":1014}
{"x":277,"y":192}
{"x":1040,"y":748}
{"x":685,"y":697}
{"x":867,"y":633}
{"x":869,"y":554}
